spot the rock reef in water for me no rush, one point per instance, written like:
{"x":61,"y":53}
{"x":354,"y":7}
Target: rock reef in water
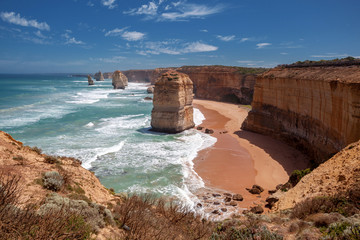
{"x":314,"y":109}
{"x":173,"y":110}
{"x":99,"y":76}
{"x":90,"y":81}
{"x":119,"y":80}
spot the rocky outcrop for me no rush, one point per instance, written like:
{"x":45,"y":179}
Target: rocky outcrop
{"x":220,"y":83}
{"x":173,"y":110}
{"x":119,"y":80}
{"x":339,"y":176}
{"x":150,"y":89}
{"x":90,"y":81}
{"x":99,"y":76}
{"x":315,"y":109}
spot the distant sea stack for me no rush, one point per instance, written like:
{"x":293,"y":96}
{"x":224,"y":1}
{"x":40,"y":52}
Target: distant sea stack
{"x":173,"y":110}
{"x":119,"y":80}
{"x":99,"y":76}
{"x":90,"y":81}
{"x":315,"y":109}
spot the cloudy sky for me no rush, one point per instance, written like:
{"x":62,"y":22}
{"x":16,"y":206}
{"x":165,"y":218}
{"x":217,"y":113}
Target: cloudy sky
{"x":44,"y":36}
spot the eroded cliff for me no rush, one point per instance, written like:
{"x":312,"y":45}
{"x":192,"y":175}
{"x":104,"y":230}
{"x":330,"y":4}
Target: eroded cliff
{"x":315,"y":109}
{"x":220,"y":83}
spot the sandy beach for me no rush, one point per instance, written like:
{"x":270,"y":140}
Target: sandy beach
{"x":240,"y":158}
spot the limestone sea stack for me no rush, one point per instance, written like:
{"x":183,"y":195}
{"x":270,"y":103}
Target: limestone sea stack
{"x":173,"y":110}
{"x":90,"y":81}
{"x":99,"y":76}
{"x":119,"y":80}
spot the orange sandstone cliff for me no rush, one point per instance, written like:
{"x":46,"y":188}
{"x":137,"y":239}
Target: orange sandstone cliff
{"x":315,"y":109}
{"x":220,"y":83}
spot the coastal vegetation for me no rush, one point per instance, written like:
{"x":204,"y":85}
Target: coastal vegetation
{"x":348,"y":61}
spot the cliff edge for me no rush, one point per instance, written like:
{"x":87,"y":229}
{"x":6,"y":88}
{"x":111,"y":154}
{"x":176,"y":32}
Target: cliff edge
{"x":315,"y":109}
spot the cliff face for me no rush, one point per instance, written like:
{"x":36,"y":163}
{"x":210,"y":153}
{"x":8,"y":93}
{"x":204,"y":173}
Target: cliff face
{"x":173,"y":111}
{"x":220,"y":83}
{"x":119,"y":80}
{"x":316,"y":109}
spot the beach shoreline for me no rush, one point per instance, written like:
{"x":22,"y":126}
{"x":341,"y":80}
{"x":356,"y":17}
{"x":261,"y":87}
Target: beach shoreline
{"x":239,"y":158}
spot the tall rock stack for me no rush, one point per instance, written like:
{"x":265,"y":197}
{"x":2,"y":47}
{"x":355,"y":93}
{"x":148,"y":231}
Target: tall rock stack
{"x":119,"y":80}
{"x":99,"y":76}
{"x":90,"y":81}
{"x":173,"y":110}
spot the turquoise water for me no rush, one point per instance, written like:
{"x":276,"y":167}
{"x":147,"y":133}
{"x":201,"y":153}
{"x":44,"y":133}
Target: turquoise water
{"x":107,"y":129}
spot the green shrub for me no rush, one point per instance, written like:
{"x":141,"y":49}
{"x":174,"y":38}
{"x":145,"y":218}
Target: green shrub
{"x":37,"y":150}
{"x":51,"y":159}
{"x":297,"y":175}
{"x":53,"y":181}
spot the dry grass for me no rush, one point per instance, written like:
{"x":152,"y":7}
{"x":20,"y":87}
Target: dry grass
{"x":145,"y":217}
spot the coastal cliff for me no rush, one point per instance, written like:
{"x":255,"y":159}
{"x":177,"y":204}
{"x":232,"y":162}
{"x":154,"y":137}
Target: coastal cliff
{"x":315,"y":109}
{"x":219,"y":83}
{"x":173,"y":110}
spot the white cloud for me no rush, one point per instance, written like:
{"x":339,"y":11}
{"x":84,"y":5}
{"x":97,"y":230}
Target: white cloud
{"x":204,"y":30}
{"x":200,"y":47}
{"x":226,"y":38}
{"x":71,"y":40}
{"x":330,"y":55}
{"x":174,"y":47}
{"x":109,"y":3}
{"x":39,"y":34}
{"x":116,"y":59}
{"x":245,"y":39}
{"x":190,"y":11}
{"x":262,"y":45}
{"x":146,"y":9}
{"x":90,"y":4}
{"x":284,"y":53}
{"x":133,"y":36}
{"x":127,"y":35}
{"x":14,"y":18}
{"x":115,"y":32}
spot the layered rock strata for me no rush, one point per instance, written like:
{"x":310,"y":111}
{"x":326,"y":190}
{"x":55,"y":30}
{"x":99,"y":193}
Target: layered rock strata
{"x":99,"y":76}
{"x":220,"y":83}
{"x":173,"y":110}
{"x":315,"y":109}
{"x":119,"y":80}
{"x":90,"y":81}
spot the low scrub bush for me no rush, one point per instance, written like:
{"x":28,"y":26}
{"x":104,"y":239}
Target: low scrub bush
{"x":53,"y":181}
{"x":297,"y":175}
{"x":37,"y":150}
{"x":51,"y":159}
{"x":145,"y":217}
{"x":323,"y":205}
{"x":26,"y":223}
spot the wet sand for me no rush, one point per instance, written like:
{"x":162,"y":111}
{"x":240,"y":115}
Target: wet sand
{"x":240,"y":158}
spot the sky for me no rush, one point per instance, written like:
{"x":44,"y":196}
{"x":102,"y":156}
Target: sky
{"x":85,"y":36}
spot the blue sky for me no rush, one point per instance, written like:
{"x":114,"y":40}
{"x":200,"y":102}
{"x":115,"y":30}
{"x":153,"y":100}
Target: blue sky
{"x":43,"y":36}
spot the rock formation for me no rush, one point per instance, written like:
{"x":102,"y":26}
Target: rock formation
{"x":90,"y":81}
{"x":220,"y":83}
{"x":315,"y":109}
{"x":150,"y":89}
{"x":119,"y":80}
{"x":99,"y":76}
{"x":108,"y":75}
{"x":172,"y":111}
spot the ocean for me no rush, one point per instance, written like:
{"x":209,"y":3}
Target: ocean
{"x":107,"y":129}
